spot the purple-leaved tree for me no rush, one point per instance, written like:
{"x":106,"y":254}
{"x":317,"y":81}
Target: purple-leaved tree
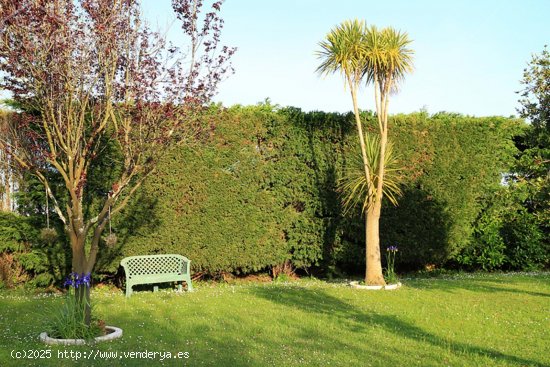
{"x":87,"y":73}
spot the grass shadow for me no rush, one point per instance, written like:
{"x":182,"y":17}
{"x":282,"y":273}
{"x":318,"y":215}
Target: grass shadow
{"x":319,"y":302}
{"x":225,"y":335}
{"x":481,"y":285}
{"x":216,"y":340}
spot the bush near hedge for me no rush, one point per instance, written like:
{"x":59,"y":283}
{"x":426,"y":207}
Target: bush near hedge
{"x":24,"y":259}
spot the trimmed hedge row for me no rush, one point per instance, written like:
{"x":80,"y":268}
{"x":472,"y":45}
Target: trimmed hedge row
{"x":212,"y":203}
{"x":262,"y":191}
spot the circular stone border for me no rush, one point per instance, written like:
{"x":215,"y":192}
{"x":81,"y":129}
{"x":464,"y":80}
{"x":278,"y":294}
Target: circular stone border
{"x":115,"y":333}
{"x":355,"y":284}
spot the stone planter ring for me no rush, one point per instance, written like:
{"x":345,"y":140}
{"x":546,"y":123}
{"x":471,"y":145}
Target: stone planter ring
{"x":356,"y":285}
{"x":113,"y":333}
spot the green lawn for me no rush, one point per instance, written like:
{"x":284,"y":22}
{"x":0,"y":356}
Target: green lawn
{"x":463,"y":320}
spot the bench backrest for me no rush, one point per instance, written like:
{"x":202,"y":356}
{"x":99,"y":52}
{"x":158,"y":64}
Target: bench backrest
{"x":155,"y":265}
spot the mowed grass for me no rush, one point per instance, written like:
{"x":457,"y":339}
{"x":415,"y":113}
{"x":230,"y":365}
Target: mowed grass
{"x":463,"y":320}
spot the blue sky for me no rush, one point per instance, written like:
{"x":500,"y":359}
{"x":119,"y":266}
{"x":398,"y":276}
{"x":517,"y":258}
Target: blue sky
{"x":470,"y":55}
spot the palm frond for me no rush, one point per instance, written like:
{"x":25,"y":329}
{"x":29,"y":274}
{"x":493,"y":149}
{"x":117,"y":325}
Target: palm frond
{"x":353,"y":185}
{"x":343,"y":50}
{"x":388,"y":55}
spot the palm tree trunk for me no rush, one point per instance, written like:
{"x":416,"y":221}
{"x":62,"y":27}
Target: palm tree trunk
{"x":359,"y":124}
{"x":373,"y":274}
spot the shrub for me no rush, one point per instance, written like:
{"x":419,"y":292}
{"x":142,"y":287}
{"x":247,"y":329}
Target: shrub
{"x":507,"y":235}
{"x":15,"y":233}
{"x":487,"y":249}
{"x":525,"y":247}
{"x":23,"y":258}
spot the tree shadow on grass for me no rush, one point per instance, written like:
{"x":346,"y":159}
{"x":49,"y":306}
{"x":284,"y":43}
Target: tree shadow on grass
{"x":240,"y":339}
{"x":476,"y":285}
{"x":319,"y":302}
{"x":235,"y":338}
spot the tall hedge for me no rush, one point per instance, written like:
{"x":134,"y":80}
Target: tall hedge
{"x":263,"y":190}
{"x":453,"y":162}
{"x":213,"y":202}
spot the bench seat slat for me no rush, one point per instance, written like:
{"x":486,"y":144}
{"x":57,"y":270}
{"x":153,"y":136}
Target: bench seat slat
{"x":150,"y":279}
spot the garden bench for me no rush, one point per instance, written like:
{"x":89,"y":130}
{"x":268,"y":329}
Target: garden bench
{"x":150,"y":269}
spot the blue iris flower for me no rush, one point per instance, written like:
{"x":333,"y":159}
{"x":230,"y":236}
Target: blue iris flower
{"x":76,"y":280}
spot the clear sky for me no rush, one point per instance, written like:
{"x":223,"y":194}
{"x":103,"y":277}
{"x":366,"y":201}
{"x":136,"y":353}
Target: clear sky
{"x":470,"y":54}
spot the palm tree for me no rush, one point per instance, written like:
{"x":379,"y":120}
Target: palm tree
{"x":344,"y":50}
{"x":381,"y":57}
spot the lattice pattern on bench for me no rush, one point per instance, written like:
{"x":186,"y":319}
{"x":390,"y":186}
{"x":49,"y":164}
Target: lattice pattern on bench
{"x":151,"y":269}
{"x":156,"y":265}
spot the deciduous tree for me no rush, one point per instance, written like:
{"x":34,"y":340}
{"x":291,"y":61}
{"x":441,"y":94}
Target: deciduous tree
{"x":91,"y":74}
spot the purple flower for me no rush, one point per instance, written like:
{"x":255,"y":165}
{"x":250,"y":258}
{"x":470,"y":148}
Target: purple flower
{"x":392,"y":249}
{"x":68,"y":282}
{"x":76,"y":280}
{"x":85,"y":279}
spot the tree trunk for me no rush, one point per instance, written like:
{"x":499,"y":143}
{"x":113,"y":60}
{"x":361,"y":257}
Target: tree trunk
{"x":373,"y":274}
{"x":5,"y":176}
{"x":83,"y":261}
{"x":79,"y":266}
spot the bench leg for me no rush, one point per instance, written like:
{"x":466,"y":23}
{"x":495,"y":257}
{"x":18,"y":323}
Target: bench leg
{"x":189,"y":284}
{"x":179,"y":287}
{"x":128,"y":290}
{"x":155,"y":288}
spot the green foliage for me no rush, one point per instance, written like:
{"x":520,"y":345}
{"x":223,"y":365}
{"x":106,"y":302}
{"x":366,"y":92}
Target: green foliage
{"x":309,"y":159}
{"x":389,"y":275}
{"x":535,"y":97}
{"x":487,"y":248}
{"x":527,"y":232}
{"x":533,"y":168}
{"x":213,"y":203}
{"x":451,"y":163}
{"x":507,"y":235}
{"x":69,"y":321}
{"x":344,"y":50}
{"x":15,"y":232}
{"x":262,"y":191}
{"x":354,"y":185}
{"x":23,"y":255}
{"x":525,"y":248}
{"x":516,"y":231}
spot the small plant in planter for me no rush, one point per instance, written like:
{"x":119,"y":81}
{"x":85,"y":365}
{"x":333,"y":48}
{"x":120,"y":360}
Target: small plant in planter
{"x":390,"y":275}
{"x":70,"y":322}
